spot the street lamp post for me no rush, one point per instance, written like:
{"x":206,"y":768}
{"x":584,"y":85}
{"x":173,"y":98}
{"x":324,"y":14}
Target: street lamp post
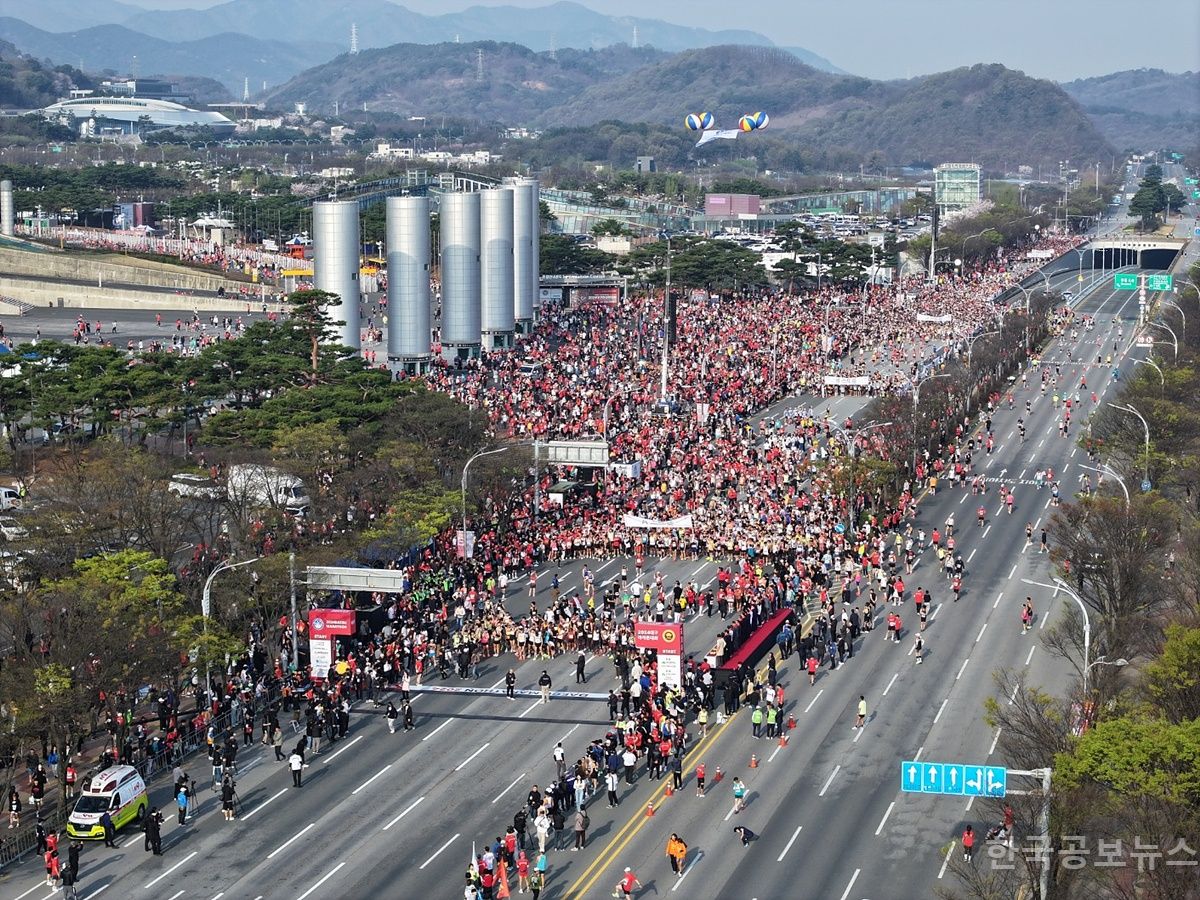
{"x":1149,"y":362}
{"x":916,"y":401}
{"x":624,"y":389}
{"x":970,"y":358}
{"x":1106,"y":469}
{"x":1058,"y":585}
{"x":1128,"y":407}
{"x":1178,"y":309}
{"x":206,"y":611}
{"x":466,"y":468}
{"x":1170,"y":331}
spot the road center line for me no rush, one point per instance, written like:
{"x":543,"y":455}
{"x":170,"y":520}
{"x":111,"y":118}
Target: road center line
{"x":406,"y":811}
{"x":946,"y":861}
{"x":941,"y":709}
{"x":999,"y":596}
{"x":328,"y":875}
{"x":917,"y":755}
{"x":1011,"y":573}
{"x":883,"y":821}
{"x":971,"y":556}
{"x":334,"y":756}
{"x":890,"y":683}
{"x":510,"y":787}
{"x":439,"y":850}
{"x":850,"y":886}
{"x":936,"y":610}
{"x":1030,"y":656}
{"x":1012,"y":698}
{"x":829,"y":780}
{"x":372,"y":778}
{"x":462,"y":764}
{"x":151,"y":884}
{"x":982,"y":629}
{"x":436,"y":730}
{"x":792,"y":840}
{"x":814,"y":700}
{"x":264,"y":803}
{"x":995,"y":740}
{"x":987,"y":531}
{"x":294,"y":837}
{"x":962,"y":669}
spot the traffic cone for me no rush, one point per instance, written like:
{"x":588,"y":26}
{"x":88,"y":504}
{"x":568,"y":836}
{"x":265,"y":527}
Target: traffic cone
{"x":649,"y":810}
{"x":791,"y":722}
{"x":670,"y":792}
{"x":718,"y":776}
{"x":783,"y":739}
{"x":754,"y":760}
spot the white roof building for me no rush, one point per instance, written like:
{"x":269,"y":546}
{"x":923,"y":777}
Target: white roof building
{"x":134,"y":114}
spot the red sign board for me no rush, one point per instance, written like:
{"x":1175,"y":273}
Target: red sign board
{"x":664,"y":637}
{"x":323,"y":623}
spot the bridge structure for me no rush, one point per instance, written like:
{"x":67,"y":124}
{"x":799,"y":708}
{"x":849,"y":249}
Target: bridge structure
{"x":1146,"y":251}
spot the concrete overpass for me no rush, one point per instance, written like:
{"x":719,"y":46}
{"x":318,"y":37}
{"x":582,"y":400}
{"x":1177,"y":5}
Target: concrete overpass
{"x":1146,"y":251}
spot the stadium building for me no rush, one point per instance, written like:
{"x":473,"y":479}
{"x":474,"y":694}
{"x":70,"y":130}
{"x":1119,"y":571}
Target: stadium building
{"x":94,"y":115}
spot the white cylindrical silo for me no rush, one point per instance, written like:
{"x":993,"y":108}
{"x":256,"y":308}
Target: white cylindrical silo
{"x":461,"y":311}
{"x":535,"y":230}
{"x":336,"y":258}
{"x":522,"y":252}
{"x":408,"y":261}
{"x":6,"y":208}
{"x":496,"y":268}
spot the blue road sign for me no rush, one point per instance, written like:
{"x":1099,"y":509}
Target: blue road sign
{"x":953,"y":778}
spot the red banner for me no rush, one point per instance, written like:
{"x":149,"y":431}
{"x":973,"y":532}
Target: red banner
{"x":323,"y":623}
{"x":664,"y":637}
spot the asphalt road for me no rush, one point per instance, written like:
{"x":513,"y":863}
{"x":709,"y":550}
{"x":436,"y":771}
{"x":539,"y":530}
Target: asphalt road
{"x":398,"y":815}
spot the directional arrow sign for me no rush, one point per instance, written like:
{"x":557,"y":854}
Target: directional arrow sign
{"x":1125,"y":281}
{"x":910,"y":777}
{"x":995,"y":781}
{"x":952,"y":778}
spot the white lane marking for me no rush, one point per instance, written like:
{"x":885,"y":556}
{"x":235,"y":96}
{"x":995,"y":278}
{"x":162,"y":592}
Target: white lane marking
{"x":987,"y":530}
{"x":1037,"y":524}
{"x":254,"y":811}
{"x":963,"y":500}
{"x":105,"y":887}
{"x":462,"y":764}
{"x":850,"y":886}
{"x":774,"y":753}
{"x":532,"y":707}
{"x":406,"y":811}
{"x":687,"y":871}
{"x":1030,"y":656}
{"x":917,"y":755}
{"x":177,"y":894}
{"x":219,"y":896}
{"x":941,"y":709}
{"x":568,"y":734}
{"x":936,"y":610}
{"x":971,"y":556}
{"x":1021,"y":476}
{"x":36,"y":887}
{"x":1063,"y":470}
{"x":1045,"y":619}
{"x":436,"y":730}
{"x":999,"y":596}
{"x":946,"y":861}
{"x":792,"y":840}
{"x":1073,"y":450}
{"x":439,"y":850}
{"x":829,"y":780}
{"x":883,"y":821}
{"x":334,"y":756}
{"x":1011,"y":573}
{"x":510,"y":787}
{"x":1048,"y":499}
{"x":499,"y":682}
{"x":858,"y":732}
{"x":294,"y":837}
{"x":979,"y":636}
{"x":327,"y":876}
{"x":890,"y":683}
{"x":605,"y":566}
{"x":151,"y":884}
{"x":1012,"y":698}
{"x":995,"y":741}
{"x":970,"y":803}
{"x":372,"y":778}
{"x":962,"y":669}
{"x":814,"y":700}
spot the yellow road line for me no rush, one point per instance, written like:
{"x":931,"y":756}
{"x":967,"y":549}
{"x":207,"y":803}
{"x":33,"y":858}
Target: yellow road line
{"x":618,"y":842}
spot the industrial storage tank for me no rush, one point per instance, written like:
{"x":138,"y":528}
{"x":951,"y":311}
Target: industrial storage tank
{"x":408,"y":261}
{"x":6,"y":208}
{"x":522,"y":252}
{"x":497,"y":287}
{"x":461,"y":313}
{"x":336,"y":260}
{"x":535,"y":230}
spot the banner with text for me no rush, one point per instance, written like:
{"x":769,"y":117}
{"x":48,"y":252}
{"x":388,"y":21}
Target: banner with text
{"x":670,"y":670}
{"x":320,"y":656}
{"x":665,"y":637}
{"x":632,"y":521}
{"x":847,"y":380}
{"x":938,"y":320}
{"x":324,"y":623}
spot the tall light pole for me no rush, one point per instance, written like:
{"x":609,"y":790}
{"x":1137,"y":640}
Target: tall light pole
{"x":1149,"y":362}
{"x":624,"y":389}
{"x":1170,"y":331}
{"x":1128,"y":407}
{"x":1058,"y":585}
{"x":916,"y":401}
{"x":206,"y":609}
{"x":1106,"y":469}
{"x":1028,"y":312}
{"x":666,"y":349}
{"x":467,"y":468}
{"x":1178,"y":309}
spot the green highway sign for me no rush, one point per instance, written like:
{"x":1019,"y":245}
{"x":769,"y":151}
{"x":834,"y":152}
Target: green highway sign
{"x":1191,"y":181}
{"x":1125,"y":281}
{"x":1196,"y":195}
{"x":1159,"y":282}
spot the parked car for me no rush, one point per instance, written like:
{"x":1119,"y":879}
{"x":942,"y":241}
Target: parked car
{"x":188,"y":484}
{"x":11,"y":529}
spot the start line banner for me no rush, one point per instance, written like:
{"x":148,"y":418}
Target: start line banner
{"x":847,"y":381}
{"x":940,"y":320}
{"x":680,"y":522}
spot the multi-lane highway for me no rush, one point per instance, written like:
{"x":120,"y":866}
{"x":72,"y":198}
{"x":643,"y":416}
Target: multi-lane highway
{"x":399,"y":815}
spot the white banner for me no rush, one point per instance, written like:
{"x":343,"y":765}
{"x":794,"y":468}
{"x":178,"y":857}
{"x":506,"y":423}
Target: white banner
{"x":669,"y":670}
{"x":632,"y":521}
{"x":628,"y":470}
{"x":1040,"y":254}
{"x":847,"y":380}
{"x":726,"y":135}
{"x":320,"y":656}
{"x":703,"y":409}
{"x":940,"y":320}
{"x":464,"y":543}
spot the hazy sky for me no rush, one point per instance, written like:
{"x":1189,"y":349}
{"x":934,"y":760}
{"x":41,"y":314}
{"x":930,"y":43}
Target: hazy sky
{"x":1059,"y":39}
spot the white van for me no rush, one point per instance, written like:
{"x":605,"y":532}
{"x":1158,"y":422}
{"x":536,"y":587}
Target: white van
{"x":119,"y":791}
{"x":255,"y":485}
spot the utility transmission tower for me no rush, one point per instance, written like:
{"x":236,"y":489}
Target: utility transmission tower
{"x":353,"y":37}
{"x":245,"y":89}
{"x":479,"y":65}
{"x":635,"y":37}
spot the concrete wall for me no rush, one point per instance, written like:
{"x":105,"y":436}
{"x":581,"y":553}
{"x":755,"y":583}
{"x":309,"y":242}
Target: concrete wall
{"x":74,"y":296}
{"x":114,"y":267}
